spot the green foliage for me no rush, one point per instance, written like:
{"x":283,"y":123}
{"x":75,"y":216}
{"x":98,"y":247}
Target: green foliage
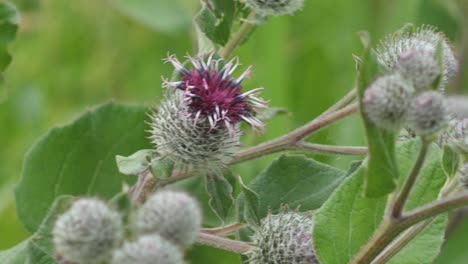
{"x":215,"y":19}
{"x":382,"y":169}
{"x":168,"y":16}
{"x":134,"y":164}
{"x":78,"y":159}
{"x":450,"y":161}
{"x":9,"y":19}
{"x":220,"y":191}
{"x":347,"y":220}
{"x":294,"y":181}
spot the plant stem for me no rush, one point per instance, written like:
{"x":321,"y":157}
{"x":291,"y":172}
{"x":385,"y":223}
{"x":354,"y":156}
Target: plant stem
{"x":342,"y":102}
{"x":400,"y":243}
{"x":292,"y":138}
{"x":238,"y":37}
{"x":326,"y":149}
{"x":143,"y":186}
{"x":400,"y":202}
{"x":224,"y":230}
{"x":224,"y":243}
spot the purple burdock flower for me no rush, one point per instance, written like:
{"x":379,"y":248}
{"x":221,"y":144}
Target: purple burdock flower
{"x":212,"y":92}
{"x":197,"y":123}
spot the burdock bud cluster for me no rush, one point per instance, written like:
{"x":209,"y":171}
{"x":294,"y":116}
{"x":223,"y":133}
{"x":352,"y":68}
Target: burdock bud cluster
{"x":149,"y":249}
{"x":283,"y":238}
{"x":87,"y":232}
{"x":414,"y":54}
{"x":274,"y":7}
{"x":403,"y":96}
{"x":197,"y":123}
{"x":464,"y":176}
{"x":176,"y":216}
{"x":459,"y":136}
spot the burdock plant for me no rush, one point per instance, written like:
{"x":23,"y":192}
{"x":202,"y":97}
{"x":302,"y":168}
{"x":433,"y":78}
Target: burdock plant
{"x":182,"y":199}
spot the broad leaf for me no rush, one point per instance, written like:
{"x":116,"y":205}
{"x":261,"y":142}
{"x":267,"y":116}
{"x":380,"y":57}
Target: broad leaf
{"x":451,"y":161}
{"x":159,"y":15}
{"x":9,"y":19}
{"x":382,"y":169}
{"x":294,"y":181}
{"x":454,"y":251}
{"x":215,"y":20}
{"x":348,"y":219}
{"x":205,"y":254}
{"x":78,"y":159}
{"x":220,"y":192}
{"x":15,"y":255}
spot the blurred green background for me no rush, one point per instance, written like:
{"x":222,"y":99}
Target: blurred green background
{"x":71,"y":55}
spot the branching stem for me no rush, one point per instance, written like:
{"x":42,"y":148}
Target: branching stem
{"x":238,"y":37}
{"x":224,"y":243}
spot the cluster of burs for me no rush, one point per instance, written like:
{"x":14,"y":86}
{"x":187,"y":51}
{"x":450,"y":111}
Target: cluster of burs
{"x":160,"y":231}
{"x":417,"y":64}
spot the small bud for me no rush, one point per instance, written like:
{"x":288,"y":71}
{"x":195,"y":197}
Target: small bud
{"x":459,"y":136}
{"x":386,"y":101}
{"x":428,"y":114}
{"x":274,"y":7}
{"x":419,"y":67}
{"x":283,"y":238}
{"x":150,"y":249}
{"x":176,"y":216}
{"x":424,"y":40}
{"x":197,"y":124}
{"x":464,"y":176}
{"x":87,"y":232}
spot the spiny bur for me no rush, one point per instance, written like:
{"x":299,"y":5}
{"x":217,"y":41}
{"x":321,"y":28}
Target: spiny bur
{"x":424,"y":40}
{"x":87,"y":232}
{"x":174,"y":215}
{"x":428,"y":114}
{"x":274,"y":7}
{"x":386,"y":101}
{"x":149,"y":249}
{"x":283,"y":238}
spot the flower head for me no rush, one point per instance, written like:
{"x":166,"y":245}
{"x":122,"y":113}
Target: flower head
{"x":148,"y":249}
{"x":459,"y":136}
{"x":87,"y":232}
{"x":212,"y":92}
{"x":174,"y":215}
{"x":428,"y":114}
{"x":283,"y":238}
{"x":423,"y":41}
{"x":386,"y":101}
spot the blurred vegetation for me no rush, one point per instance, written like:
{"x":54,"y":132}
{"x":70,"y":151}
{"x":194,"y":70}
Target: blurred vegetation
{"x":71,"y":55}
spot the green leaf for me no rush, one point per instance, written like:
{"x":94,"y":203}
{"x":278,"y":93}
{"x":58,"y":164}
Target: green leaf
{"x":450,"y":161}
{"x":134,"y":164}
{"x":294,"y":181}
{"x":205,"y":254}
{"x":162,"y":168}
{"x":168,"y":16}
{"x":9,"y":19}
{"x":251,"y":205}
{"x":215,"y":20}
{"x":220,"y":192}
{"x":382,"y":169}
{"x":348,"y":219}
{"x":15,"y":255}
{"x":454,"y":251}
{"x":78,"y":159}
{"x":40,"y":247}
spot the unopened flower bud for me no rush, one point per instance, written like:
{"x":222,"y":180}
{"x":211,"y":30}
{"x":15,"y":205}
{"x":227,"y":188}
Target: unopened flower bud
{"x":283,"y":238}
{"x":424,"y":40}
{"x":459,"y":136}
{"x":386,"y":101}
{"x":149,"y":249}
{"x":419,"y":67}
{"x":428,"y":114}
{"x":174,"y":215}
{"x":274,"y":7}
{"x":197,"y":124}
{"x":87,"y":232}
